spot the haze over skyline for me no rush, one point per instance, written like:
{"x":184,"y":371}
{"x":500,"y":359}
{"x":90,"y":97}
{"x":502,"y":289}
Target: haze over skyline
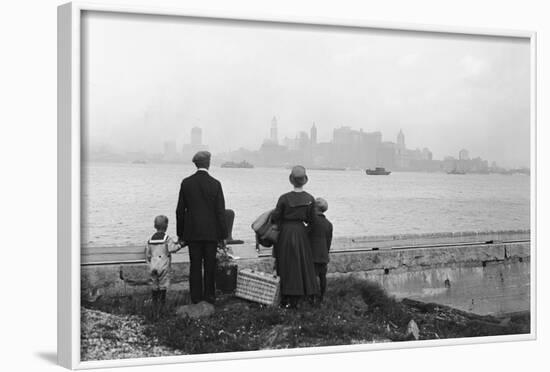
{"x":150,"y":79}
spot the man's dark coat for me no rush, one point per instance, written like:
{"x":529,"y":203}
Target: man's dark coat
{"x":200,"y":215}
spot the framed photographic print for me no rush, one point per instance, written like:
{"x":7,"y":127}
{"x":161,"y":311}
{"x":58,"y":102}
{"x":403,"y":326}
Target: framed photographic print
{"x":237,"y":186}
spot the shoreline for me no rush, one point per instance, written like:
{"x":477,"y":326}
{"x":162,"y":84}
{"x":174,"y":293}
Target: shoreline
{"x":505,"y":172}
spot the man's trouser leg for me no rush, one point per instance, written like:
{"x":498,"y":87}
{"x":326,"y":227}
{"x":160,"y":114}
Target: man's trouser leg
{"x":195,"y":272}
{"x":209,"y":254}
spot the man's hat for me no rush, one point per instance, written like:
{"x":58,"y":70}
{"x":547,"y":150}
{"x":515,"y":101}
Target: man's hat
{"x":201,"y":159}
{"x":298,"y":176}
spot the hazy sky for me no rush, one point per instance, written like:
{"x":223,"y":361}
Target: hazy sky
{"x":148,"y":79}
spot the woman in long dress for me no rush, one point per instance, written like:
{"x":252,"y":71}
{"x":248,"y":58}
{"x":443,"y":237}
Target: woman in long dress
{"x":292,"y":252}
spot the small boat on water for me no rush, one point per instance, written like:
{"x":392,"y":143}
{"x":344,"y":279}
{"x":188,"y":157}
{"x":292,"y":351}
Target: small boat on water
{"x":454,"y":171}
{"x":378,"y":171}
{"x":232,"y":164}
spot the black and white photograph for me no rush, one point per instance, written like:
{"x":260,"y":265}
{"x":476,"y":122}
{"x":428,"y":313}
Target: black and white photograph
{"x":250,"y":185}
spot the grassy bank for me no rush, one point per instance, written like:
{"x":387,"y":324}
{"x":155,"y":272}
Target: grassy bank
{"x":354,"y":311}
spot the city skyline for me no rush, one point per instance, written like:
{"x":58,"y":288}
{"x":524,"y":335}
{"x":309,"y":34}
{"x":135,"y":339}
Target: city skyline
{"x":445,"y":91}
{"x":399,"y":157}
{"x":185,"y":141}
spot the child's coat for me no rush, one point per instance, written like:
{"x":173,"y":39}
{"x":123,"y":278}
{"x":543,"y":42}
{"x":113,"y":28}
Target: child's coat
{"x":158,"y":254}
{"x":320,"y":235}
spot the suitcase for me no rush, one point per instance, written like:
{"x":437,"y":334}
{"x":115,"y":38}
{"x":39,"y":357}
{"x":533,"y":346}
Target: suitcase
{"x":258,"y":286}
{"x":226,"y":278}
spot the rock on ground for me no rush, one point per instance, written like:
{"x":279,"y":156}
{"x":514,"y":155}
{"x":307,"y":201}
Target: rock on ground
{"x":200,"y":310}
{"x":107,"y":336}
{"x":412,"y":330}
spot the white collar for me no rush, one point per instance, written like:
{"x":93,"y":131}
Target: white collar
{"x":298,"y":189}
{"x":202,"y":169}
{"x":157,"y":241}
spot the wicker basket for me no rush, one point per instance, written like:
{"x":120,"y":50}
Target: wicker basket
{"x":258,"y":287}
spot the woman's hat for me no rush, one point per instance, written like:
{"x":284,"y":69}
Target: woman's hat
{"x":298,"y":176}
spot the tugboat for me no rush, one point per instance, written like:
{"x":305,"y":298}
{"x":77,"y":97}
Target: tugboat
{"x":378,"y":171}
{"x":232,"y":164}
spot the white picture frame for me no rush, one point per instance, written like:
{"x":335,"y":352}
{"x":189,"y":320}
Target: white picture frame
{"x":69,"y":188}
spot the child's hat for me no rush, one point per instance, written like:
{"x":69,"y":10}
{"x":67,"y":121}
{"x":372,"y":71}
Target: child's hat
{"x":321,"y":204}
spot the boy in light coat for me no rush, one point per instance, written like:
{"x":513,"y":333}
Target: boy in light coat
{"x":158,"y":254}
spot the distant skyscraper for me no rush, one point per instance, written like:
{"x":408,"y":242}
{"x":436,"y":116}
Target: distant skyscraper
{"x":273,"y":134}
{"x":401,"y":140}
{"x":196,"y":136}
{"x":188,"y":150}
{"x":463,"y":155}
{"x":342,"y":136}
{"x":290,"y":143}
{"x":313,"y":134}
{"x":427,"y":154}
{"x":303,"y":140}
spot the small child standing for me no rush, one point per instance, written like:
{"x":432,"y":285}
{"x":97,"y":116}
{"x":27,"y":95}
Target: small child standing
{"x":158,"y":254}
{"x":320,"y":235}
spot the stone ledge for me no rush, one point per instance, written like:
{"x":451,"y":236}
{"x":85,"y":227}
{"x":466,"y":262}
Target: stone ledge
{"x":518,"y":250}
{"x":106,"y":279}
{"x":90,"y":255}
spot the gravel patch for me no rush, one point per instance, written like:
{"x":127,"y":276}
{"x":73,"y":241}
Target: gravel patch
{"x":107,"y":336}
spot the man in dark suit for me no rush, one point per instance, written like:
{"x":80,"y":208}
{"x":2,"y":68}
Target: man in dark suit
{"x":200,"y":219}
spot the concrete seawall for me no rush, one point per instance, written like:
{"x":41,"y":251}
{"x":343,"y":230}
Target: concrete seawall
{"x":469,"y":272}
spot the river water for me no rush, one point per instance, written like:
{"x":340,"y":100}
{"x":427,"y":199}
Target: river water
{"x":120,"y":201}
